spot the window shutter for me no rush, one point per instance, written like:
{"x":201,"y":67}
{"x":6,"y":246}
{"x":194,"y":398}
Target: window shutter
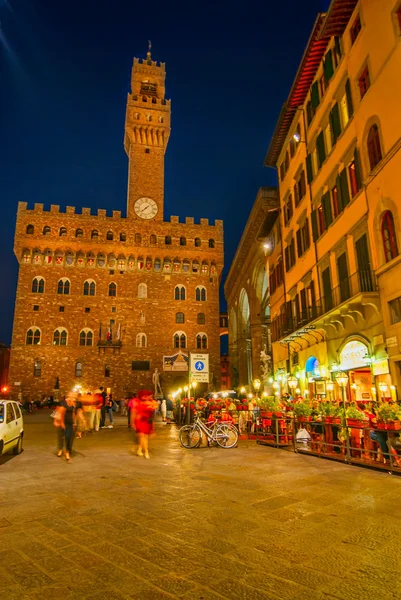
{"x":315,"y":231}
{"x":337,"y":45}
{"x":349,"y":98}
{"x":299,"y":244}
{"x":306,"y":234}
{"x":339,"y":194}
{"x":327,"y":214}
{"x":309,"y":169}
{"x":345,"y":198}
{"x":358,"y":168}
{"x":335,"y":121}
{"x":328,"y":66}
{"x":321,"y":150}
{"x":309,"y":112}
{"x":315,"y":95}
{"x":286,"y":254}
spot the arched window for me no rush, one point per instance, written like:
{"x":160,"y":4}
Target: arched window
{"x":138,"y":238}
{"x":205,"y":267}
{"x":60,"y":337}
{"x":197,"y":242}
{"x":123,"y":236}
{"x":141,"y":340}
{"x":33,"y":336}
{"x":183,"y":241}
{"x":46,"y":230}
{"x":86,"y":337}
{"x":195,"y":266}
{"x":179,"y":317}
{"x":167,"y":240}
{"x":109,"y":235}
{"x":62,"y":232}
{"x":157,"y":265}
{"x":78,"y":369}
{"x":161,"y":119}
{"x":211,"y":243}
{"x":94,"y":234}
{"x":137,"y":116}
{"x":200,"y":294}
{"x":374,"y":148}
{"x":179,"y":292}
{"x":153,"y":239}
{"x":63,"y":286}
{"x":107,"y":371}
{"x":201,"y":341}
{"x":30,"y":229}
{"x":389,"y":237}
{"x":142,"y":290}
{"x":37,"y":368}
{"x":186,"y":265}
{"x":180,"y":340}
{"x":79,"y":233}
{"x":112,"y":289}
{"x":38,"y":285}
{"x":201,"y":320}
{"x":89,"y":288}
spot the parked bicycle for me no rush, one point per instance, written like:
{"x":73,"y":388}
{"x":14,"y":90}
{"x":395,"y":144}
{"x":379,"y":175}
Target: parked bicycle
{"x":224,"y":434}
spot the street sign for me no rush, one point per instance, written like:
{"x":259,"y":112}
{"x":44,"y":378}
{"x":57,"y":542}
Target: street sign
{"x":199,"y":368}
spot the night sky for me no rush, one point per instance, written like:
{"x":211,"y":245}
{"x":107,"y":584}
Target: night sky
{"x":65,"y":73}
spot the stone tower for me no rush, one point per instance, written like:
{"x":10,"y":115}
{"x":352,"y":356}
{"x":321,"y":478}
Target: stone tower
{"x":147,"y":130}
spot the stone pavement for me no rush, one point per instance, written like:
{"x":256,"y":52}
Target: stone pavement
{"x":251,"y":523}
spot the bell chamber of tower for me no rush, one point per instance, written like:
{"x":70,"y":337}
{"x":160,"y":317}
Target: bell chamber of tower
{"x":147,"y":130}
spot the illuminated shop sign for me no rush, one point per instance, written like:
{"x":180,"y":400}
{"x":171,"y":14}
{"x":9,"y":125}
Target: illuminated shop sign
{"x":354,"y":355}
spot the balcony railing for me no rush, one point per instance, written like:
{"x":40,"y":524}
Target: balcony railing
{"x":109,"y":344}
{"x":363,"y":281}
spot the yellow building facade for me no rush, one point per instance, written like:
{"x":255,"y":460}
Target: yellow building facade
{"x":335,"y":282}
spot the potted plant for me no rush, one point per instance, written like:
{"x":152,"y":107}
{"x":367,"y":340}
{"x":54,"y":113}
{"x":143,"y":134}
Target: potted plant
{"x":268,"y":406}
{"x":355,"y":418}
{"x":303,"y":411}
{"x":388,"y":417}
{"x":331,"y":413}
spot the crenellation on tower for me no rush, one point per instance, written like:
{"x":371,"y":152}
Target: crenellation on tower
{"x":70,"y":210}
{"x":54,"y":208}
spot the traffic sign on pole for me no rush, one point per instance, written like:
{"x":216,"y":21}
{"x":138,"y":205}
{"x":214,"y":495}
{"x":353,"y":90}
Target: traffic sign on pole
{"x":199,"y":367}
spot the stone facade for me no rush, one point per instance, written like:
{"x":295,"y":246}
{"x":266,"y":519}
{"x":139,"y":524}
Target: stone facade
{"x":247,"y":293}
{"x":121,"y":275}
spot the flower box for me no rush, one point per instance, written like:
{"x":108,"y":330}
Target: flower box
{"x":304,"y":419}
{"x":380,"y":425}
{"x":266,"y":422}
{"x":266,"y":413}
{"x":360,"y":423}
{"x":278,"y":414}
{"x":332,"y":420}
{"x":393,"y":425}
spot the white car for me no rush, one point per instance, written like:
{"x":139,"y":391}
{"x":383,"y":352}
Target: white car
{"x":11,"y":427}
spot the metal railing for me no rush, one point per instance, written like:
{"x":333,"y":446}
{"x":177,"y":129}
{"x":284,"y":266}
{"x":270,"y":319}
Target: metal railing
{"x":362,"y":281}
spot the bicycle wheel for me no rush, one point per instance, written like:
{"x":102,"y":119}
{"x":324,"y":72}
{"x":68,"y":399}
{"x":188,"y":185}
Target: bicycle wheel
{"x":190,"y":436}
{"x":226,"y":436}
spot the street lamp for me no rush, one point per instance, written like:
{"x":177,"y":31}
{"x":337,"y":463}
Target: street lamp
{"x":292,"y":383}
{"x":383,"y":387}
{"x":194,"y":384}
{"x":342,"y":380}
{"x":330,"y":387}
{"x":256,"y":385}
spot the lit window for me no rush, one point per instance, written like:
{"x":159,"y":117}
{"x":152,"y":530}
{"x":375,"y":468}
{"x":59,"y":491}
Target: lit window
{"x":353,"y":178}
{"x":395,"y":310}
{"x":364,"y":82}
{"x":355,"y":29}
{"x":33,"y":336}
{"x":94,"y":234}
{"x":328,"y":138}
{"x":374,"y":147}
{"x":389,"y":238}
{"x":344,"y":111}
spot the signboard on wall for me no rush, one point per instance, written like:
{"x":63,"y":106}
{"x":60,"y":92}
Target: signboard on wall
{"x":354,"y":355}
{"x":380,"y":367}
{"x":176,"y":362}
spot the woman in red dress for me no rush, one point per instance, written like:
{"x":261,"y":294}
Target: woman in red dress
{"x":143,"y":419}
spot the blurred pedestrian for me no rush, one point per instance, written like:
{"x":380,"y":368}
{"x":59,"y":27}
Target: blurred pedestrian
{"x":163,"y":409}
{"x":109,"y":410}
{"x":103,"y":408}
{"x":98,"y":404}
{"x":143,"y":420}
{"x":64,"y":421}
{"x":169,"y":410}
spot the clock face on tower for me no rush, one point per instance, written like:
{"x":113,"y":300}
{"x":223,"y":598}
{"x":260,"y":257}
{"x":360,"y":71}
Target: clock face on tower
{"x":146,"y":208}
